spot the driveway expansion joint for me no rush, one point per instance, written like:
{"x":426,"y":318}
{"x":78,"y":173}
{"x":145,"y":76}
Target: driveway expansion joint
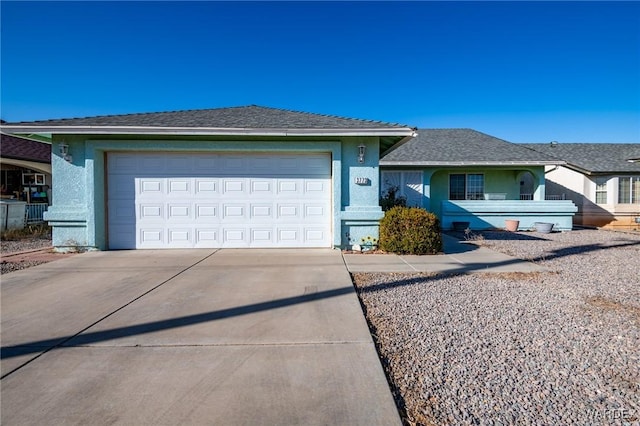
{"x":213,"y":345}
{"x":62,"y":343}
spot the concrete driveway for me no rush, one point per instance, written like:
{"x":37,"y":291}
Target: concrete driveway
{"x":189,"y":337}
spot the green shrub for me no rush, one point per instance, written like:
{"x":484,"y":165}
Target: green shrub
{"x":410,"y":230}
{"x":391,"y":199}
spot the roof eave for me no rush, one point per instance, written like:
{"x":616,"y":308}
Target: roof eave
{"x":470,"y":163}
{"x":213,"y":131}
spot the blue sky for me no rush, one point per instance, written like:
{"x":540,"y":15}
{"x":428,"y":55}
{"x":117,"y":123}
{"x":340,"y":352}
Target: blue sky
{"x":521,"y":71}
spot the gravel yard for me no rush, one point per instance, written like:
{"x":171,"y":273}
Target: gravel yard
{"x":15,"y":263}
{"x":554,"y":348}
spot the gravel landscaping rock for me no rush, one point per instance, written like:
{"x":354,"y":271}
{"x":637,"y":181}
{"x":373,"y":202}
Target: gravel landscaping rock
{"x":10,"y":263}
{"x":553,"y":348}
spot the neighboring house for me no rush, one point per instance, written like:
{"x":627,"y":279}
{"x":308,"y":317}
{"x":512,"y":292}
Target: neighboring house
{"x":602,"y":179}
{"x":25,"y":173}
{"x":227,"y":177}
{"x":466,"y":176}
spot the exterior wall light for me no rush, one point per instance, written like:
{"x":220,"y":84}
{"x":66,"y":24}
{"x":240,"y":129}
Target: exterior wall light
{"x":361,"y":150}
{"x":64,"y":151}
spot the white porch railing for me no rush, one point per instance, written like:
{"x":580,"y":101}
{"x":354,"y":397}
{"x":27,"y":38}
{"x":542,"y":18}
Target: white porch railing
{"x":529,"y":197}
{"x":34,"y":212}
{"x":555,"y":197}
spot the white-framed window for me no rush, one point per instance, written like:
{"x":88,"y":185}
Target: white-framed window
{"x":601,"y":190}
{"x":33,"y":179}
{"x":409,"y":184}
{"x":466,"y":186}
{"x":629,"y":190}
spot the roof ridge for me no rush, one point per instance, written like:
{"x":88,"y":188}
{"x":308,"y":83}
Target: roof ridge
{"x":334,"y":116}
{"x":192,"y":110}
{"x":129,"y":114}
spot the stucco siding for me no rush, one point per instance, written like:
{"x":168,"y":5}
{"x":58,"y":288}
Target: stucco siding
{"x":79,"y":217}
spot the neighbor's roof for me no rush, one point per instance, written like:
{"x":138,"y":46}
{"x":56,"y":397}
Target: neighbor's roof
{"x":461,"y":147}
{"x":594,"y":158}
{"x":244,"y":120}
{"x":24,"y":149}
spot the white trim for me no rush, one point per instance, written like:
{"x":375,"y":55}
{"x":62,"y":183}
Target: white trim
{"x":470,"y":163}
{"x":145,"y":130}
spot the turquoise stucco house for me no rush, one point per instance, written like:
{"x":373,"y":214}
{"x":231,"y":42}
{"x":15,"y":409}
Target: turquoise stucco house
{"x":463,"y":175}
{"x":264,"y":177}
{"x":228,"y":177}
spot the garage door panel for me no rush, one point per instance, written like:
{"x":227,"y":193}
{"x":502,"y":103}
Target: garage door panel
{"x":206,"y":187}
{"x":179,"y":238}
{"x":315,"y":211}
{"x":261,"y":187}
{"x":288,"y":236}
{"x":289,"y":188}
{"x":151,"y":237}
{"x":151,"y":212}
{"x":314,"y":235}
{"x":234,"y":212}
{"x":261,"y":237}
{"x":179,"y":188}
{"x":206,"y":212}
{"x":150,"y":187}
{"x":288,"y":212}
{"x":206,"y":237}
{"x":233,"y":187}
{"x":219,"y":200}
{"x":234,"y":237}
{"x":261,"y":212}
{"x":314,"y":187}
{"x":179,"y":212}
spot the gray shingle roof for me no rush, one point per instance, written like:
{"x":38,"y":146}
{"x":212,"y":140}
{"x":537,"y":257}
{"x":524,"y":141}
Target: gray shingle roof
{"x":593,"y":157}
{"x":24,"y":149}
{"x":435,"y":147}
{"x":243,"y":117}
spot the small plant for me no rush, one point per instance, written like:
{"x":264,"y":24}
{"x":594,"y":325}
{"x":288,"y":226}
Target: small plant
{"x":410,"y":230}
{"x":472,"y":237}
{"x":390,"y":199}
{"x":73,"y":246}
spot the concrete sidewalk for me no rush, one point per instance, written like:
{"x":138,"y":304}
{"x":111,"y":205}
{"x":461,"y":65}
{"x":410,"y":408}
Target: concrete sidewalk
{"x":234,"y":337}
{"x":458,"y":257}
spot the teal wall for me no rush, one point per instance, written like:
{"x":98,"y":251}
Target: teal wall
{"x":78,"y":214}
{"x":496,"y":180}
{"x":361,"y":210}
{"x":492,"y":214}
{"x":69,"y":215}
{"x":484,"y":214}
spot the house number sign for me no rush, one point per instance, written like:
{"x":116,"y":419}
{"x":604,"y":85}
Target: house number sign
{"x":362,"y":181}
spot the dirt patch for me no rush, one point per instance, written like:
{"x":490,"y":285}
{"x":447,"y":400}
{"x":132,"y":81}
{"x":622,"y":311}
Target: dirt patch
{"x":613,"y":305}
{"x":11,"y":262}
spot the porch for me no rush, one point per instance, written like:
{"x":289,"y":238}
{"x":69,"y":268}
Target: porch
{"x":491,"y":214}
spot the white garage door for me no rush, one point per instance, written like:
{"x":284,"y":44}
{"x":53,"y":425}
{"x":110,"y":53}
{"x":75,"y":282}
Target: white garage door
{"x":203,"y":200}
